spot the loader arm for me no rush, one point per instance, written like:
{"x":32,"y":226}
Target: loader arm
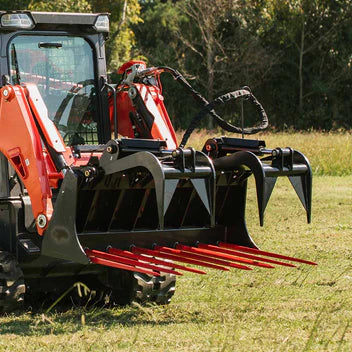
{"x":34,"y":147}
{"x":22,"y":146}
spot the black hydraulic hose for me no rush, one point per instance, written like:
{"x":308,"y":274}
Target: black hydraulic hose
{"x":181,"y":80}
{"x":222,"y":100}
{"x":209,"y":107}
{"x":220,"y":121}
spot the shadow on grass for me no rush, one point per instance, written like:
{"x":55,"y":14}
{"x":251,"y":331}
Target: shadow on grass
{"x":77,"y":319}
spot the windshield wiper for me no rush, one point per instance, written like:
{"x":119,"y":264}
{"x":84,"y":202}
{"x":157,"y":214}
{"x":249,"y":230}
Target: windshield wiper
{"x":49,"y":45}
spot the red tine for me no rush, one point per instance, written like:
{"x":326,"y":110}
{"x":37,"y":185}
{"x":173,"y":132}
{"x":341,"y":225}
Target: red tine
{"x":258,"y":251}
{"x":222,"y":255}
{"x":134,"y":262}
{"x":240,"y":254}
{"x":176,"y":258}
{"x":206,"y":258}
{"x":112,"y":264}
{"x":154,"y":260}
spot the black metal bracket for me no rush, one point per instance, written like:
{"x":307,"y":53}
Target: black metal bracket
{"x":60,"y":239}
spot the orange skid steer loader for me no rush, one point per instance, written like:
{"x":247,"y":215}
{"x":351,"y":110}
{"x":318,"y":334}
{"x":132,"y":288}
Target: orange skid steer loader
{"x":129,"y":214}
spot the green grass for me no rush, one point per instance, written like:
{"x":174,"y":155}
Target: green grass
{"x":282,"y":309}
{"x":328,"y":153}
{"x":308,"y":308}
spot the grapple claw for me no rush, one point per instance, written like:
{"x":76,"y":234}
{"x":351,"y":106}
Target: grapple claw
{"x":275,"y":163}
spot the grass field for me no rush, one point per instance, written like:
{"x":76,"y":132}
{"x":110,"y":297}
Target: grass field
{"x":308,"y":308}
{"x":329,"y":153}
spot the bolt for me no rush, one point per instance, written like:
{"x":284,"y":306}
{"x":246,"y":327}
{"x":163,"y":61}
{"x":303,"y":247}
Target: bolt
{"x":111,"y":149}
{"x":175,"y":153}
{"x":41,"y":221}
{"x":90,"y":172}
{"x":209,"y":147}
{"x":132,"y":92}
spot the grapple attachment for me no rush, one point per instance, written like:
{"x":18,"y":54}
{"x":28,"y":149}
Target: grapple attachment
{"x":142,"y":208}
{"x":143,"y":204}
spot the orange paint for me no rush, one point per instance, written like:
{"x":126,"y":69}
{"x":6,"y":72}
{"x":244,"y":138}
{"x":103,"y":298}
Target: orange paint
{"x":22,"y":146}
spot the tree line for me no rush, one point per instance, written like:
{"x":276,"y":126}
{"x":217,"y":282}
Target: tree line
{"x":295,"y":55}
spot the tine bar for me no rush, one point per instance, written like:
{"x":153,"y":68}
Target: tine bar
{"x":268,"y":254}
{"x":117,"y":265}
{"x":200,"y":257}
{"x":222,"y":255}
{"x":178,"y":258}
{"x":133,"y":262}
{"x":241,"y":254}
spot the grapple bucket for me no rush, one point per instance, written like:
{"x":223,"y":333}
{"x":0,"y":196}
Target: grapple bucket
{"x":142,"y":208}
{"x":143,"y":202}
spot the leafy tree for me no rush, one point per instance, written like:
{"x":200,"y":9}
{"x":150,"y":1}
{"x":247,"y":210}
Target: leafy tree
{"x":14,"y":4}
{"x":214,"y":43}
{"x":314,"y":57}
{"x":123,"y":14}
{"x":157,"y":42}
{"x":156,"y":34}
{"x":60,"y":6}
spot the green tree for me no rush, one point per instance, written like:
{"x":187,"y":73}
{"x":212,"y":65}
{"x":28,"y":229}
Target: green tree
{"x":315,"y":57}
{"x":214,"y":43}
{"x":156,"y":34}
{"x":296,"y":55}
{"x":60,"y":6}
{"x":123,"y":14}
{"x":157,"y":42}
{"x":14,"y":4}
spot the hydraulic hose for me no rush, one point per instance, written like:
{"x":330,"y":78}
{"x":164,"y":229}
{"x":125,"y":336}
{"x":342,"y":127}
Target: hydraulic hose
{"x":209,"y":107}
{"x":223,"y":99}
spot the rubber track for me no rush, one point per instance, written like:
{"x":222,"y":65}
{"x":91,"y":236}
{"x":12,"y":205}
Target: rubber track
{"x":12,"y":286}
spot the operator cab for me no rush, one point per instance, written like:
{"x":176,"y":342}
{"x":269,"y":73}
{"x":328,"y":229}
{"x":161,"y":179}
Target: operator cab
{"x":63,"y":55}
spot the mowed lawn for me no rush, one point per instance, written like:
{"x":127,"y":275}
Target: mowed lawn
{"x":308,"y":308}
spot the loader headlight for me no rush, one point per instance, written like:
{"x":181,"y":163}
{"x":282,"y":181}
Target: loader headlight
{"x":17,"y":20}
{"x":102,"y":23}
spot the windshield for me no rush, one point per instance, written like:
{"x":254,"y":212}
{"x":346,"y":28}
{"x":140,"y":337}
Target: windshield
{"x":63,"y":69}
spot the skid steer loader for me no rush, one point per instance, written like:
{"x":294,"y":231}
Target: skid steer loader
{"x":128,"y":213}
